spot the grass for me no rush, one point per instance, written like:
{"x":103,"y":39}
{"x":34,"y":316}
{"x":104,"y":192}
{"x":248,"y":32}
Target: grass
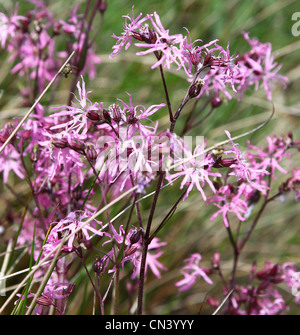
{"x":189,"y":230}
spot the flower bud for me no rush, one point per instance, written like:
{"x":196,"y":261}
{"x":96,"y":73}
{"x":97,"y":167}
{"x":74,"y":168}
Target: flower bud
{"x":98,"y":265}
{"x":94,"y":116}
{"x":102,"y":7}
{"x":44,"y":301}
{"x":216,"y":102}
{"x":195,"y":88}
{"x":227,"y":162}
{"x":77,"y":146}
{"x":91,"y":154}
{"x":106,"y":115}
{"x":115,"y":112}
{"x":216,"y":260}
{"x":135,"y":236}
{"x":60,"y":142}
{"x":70,"y":289}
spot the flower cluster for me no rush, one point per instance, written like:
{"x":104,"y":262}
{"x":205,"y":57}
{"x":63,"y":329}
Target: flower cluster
{"x":262,"y":294}
{"x":87,"y":153}
{"x":33,"y":42}
{"x":208,"y":61}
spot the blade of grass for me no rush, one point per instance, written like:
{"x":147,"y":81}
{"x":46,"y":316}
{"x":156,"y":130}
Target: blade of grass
{"x":19,"y":231}
{"x":16,"y":309}
{"x":22,"y":308}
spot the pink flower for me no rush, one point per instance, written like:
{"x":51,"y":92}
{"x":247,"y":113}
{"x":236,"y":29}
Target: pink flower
{"x":10,"y":161}
{"x":9,"y":26}
{"x":69,"y":225}
{"x":243,"y":169}
{"x":134,"y":114}
{"x":78,"y":115}
{"x":152,"y":262}
{"x":228,"y":202}
{"x":258,"y":68}
{"x":268,"y":158}
{"x":130,"y":30}
{"x":191,"y":271}
{"x":195,"y":170}
{"x":168,"y":47}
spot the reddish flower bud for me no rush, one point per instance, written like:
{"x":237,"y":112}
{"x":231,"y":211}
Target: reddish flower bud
{"x":70,"y":289}
{"x":94,"y":116}
{"x":130,"y":251}
{"x":98,"y":265}
{"x":216,"y":260}
{"x":102,"y":7}
{"x":115,"y":112}
{"x":44,"y":301}
{"x":135,"y":236}
{"x":226,"y":162}
{"x":106,"y":115}
{"x":91,"y":154}
{"x":60,"y":142}
{"x":195,"y":88}
{"x":216,"y":102}
{"x":77,"y":146}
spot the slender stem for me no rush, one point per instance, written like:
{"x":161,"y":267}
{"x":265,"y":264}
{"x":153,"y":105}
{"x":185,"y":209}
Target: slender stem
{"x":116,"y":290}
{"x":249,"y":232}
{"x":170,"y":213}
{"x":145,"y":245}
{"x":41,"y":217}
{"x":202,"y":120}
{"x":137,"y":205}
{"x":91,"y":280}
{"x":177,"y":114}
{"x":166,"y":93}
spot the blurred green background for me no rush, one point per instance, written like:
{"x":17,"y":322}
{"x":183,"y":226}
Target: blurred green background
{"x":277,"y":236}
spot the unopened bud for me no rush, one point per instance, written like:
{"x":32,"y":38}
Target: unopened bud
{"x":226,"y":162}
{"x":216,"y":102}
{"x":94,"y":116}
{"x":91,"y":154}
{"x":115,"y":112}
{"x":98,"y":265}
{"x":106,"y":115}
{"x":102,"y":7}
{"x":77,"y":146}
{"x":216,"y":260}
{"x":70,"y":289}
{"x":60,"y":142}
{"x":135,"y":236}
{"x":195,"y":88}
